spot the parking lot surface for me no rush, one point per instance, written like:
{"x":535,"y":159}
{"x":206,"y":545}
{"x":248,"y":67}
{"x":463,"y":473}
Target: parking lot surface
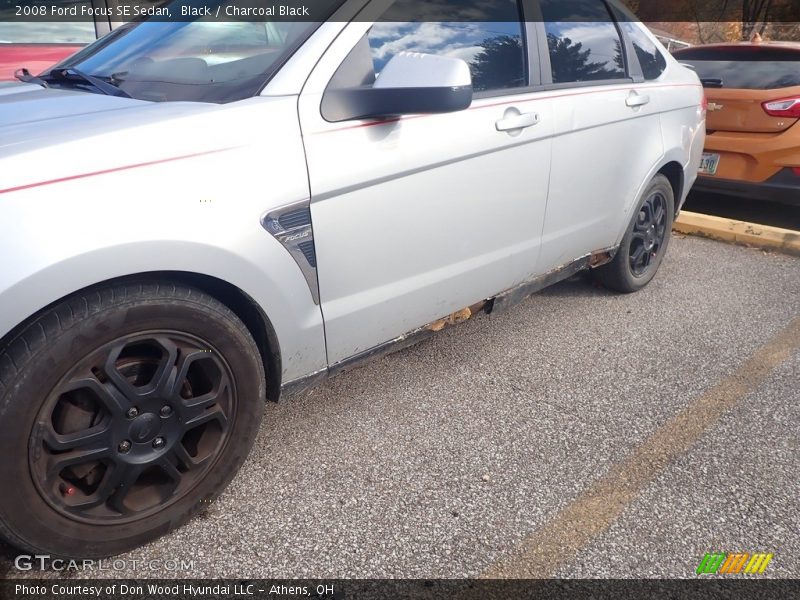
{"x":582,"y":433}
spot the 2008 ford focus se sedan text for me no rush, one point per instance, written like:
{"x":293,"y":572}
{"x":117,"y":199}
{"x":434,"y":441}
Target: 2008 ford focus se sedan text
{"x":199,"y":216}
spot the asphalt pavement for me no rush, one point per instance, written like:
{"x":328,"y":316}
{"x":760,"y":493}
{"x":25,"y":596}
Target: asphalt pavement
{"x":580,"y":434}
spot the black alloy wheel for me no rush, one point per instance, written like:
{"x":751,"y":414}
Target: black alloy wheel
{"x":648,"y":235}
{"x":133,"y":427}
{"x":126,"y":410}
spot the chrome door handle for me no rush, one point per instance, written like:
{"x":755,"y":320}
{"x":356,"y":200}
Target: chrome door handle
{"x":635,"y":100}
{"x":516,"y":121}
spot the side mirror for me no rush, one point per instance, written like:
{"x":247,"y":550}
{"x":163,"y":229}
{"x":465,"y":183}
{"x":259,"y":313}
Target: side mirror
{"x":410,"y":83}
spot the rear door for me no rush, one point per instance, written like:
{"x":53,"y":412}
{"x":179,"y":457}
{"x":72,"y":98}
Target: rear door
{"x":418,"y":217}
{"x":608,"y":133}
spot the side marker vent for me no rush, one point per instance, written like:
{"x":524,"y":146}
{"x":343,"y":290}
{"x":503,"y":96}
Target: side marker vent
{"x":296,"y":218}
{"x":291,"y":226}
{"x":307,"y":248}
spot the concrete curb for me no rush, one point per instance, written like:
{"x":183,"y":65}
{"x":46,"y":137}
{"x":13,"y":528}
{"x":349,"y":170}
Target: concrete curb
{"x":739,"y":232}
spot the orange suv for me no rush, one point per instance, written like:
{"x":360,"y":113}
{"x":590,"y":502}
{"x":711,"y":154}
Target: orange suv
{"x":753,"y":143}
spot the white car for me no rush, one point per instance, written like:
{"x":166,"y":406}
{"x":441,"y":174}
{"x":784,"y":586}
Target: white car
{"x":198,"y":216}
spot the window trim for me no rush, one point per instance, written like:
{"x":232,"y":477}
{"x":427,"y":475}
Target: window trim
{"x":542,"y":57}
{"x":531,"y":41}
{"x":586,"y":84}
{"x":531,"y":64}
{"x":632,"y":67}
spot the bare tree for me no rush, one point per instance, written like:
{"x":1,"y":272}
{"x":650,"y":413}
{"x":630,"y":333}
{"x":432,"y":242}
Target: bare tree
{"x":725,"y":20}
{"x":755,"y":17}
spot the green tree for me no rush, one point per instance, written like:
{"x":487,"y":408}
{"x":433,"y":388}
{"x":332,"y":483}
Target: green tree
{"x":499,"y":65}
{"x":572,"y":63}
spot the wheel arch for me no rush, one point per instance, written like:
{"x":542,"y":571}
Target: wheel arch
{"x":670,"y":168}
{"x":238,"y":301}
{"x":250,"y":313}
{"x":673,"y":171}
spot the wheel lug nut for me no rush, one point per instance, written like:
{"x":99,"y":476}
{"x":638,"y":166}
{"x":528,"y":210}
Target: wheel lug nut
{"x":159,"y":442}
{"x":165,"y":411}
{"x":133,"y":412}
{"x":124,"y":446}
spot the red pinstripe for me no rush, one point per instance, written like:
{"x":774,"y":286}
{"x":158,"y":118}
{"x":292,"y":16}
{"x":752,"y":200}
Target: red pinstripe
{"x":106,"y":171}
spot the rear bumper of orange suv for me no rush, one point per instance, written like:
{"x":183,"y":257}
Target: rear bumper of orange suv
{"x":783,"y":187}
{"x":755,"y":165}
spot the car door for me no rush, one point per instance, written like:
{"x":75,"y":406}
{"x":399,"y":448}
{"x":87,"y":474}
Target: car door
{"x":607,"y":125}
{"x":418,"y":217}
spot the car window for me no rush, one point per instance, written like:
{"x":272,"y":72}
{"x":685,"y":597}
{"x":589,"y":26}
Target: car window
{"x":494,"y":48}
{"x":583,"y":41}
{"x":15,"y":30}
{"x":650,"y":57}
{"x":745,"y":67}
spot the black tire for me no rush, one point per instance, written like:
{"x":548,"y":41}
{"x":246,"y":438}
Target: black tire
{"x":147,"y":333}
{"x":645,"y":242}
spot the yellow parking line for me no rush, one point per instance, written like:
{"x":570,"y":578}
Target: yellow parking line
{"x":739,"y":232}
{"x":541,"y":554}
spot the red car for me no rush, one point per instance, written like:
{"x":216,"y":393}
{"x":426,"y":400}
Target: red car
{"x":37,"y":46}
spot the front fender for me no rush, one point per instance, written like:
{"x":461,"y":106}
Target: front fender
{"x":186,"y":194}
{"x":260,"y":267}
